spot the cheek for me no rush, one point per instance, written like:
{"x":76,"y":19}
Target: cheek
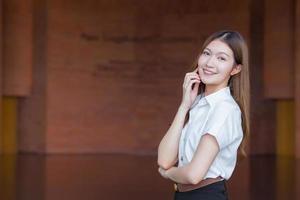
{"x":201,"y":61}
{"x":225,"y":68}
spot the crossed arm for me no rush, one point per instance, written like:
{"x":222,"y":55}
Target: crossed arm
{"x":195,"y":171}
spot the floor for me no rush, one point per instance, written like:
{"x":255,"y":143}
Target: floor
{"x":113,"y":176}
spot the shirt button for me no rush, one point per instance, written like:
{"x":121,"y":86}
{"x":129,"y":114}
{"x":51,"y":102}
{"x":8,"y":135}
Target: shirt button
{"x":181,"y":158}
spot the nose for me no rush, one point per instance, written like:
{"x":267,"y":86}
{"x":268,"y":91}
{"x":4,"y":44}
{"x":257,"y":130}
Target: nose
{"x":210,"y":61}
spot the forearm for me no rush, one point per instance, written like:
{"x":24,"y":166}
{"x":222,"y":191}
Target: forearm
{"x":168,"y":147}
{"x":194,"y":171}
{"x":180,"y":175}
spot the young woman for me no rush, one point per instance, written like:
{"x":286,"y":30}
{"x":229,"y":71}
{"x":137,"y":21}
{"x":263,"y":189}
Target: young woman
{"x":199,"y":151}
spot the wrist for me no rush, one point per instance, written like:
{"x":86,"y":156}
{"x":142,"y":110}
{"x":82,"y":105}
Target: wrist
{"x":183,"y":108}
{"x":168,"y":172}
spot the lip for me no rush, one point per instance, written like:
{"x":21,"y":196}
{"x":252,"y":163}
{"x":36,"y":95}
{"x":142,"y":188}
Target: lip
{"x":206,"y":71}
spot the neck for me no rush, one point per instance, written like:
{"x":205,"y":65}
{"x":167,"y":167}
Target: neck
{"x":209,"y":89}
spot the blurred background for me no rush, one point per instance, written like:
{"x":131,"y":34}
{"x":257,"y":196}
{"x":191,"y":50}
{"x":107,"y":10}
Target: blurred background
{"x":90,"y":87}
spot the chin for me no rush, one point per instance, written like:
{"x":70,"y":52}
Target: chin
{"x":211,"y":80}
{"x":208,"y":82}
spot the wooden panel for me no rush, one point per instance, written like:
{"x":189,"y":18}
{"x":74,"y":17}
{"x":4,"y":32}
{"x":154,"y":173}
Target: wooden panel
{"x":297,"y":179}
{"x":17,"y":47}
{"x":278,"y":49}
{"x":9,"y":143}
{"x":8,"y":173}
{"x":262,"y":177}
{"x":31,"y":177}
{"x":286,"y":178}
{"x":240,"y":181}
{"x":285,"y":137}
{"x":115,"y":70}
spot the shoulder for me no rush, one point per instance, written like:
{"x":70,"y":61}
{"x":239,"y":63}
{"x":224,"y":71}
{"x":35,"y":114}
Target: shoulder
{"x":224,"y":122}
{"x":225,"y":108}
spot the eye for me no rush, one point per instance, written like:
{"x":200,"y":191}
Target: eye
{"x":206,"y":53}
{"x":221,"y":58}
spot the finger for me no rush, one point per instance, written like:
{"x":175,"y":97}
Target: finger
{"x":159,"y":170}
{"x":189,"y":78}
{"x":192,"y":77}
{"x":189,"y":87}
{"x":190,"y":73}
{"x":196,"y":86}
{"x":186,"y":77}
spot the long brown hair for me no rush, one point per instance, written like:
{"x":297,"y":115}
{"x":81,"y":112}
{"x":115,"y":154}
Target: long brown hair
{"x":239,"y":83}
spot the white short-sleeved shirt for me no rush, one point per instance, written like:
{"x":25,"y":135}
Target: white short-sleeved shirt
{"x":217,"y":114}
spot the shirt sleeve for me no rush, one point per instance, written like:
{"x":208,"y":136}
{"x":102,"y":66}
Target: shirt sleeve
{"x":224,"y":124}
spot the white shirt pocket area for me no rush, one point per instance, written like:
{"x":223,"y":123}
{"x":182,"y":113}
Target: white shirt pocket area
{"x":224,"y":124}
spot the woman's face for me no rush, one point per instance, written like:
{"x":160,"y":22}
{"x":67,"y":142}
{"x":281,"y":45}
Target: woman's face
{"x":216,"y":63}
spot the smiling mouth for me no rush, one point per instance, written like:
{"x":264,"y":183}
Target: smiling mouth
{"x":208,"y":72}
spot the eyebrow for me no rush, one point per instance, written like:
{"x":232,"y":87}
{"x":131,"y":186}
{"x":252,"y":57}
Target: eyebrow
{"x":222,"y":52}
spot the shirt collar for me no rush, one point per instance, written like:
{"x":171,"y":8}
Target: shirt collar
{"x":221,"y":94}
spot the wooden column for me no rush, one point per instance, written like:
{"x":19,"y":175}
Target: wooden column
{"x":1,"y":74}
{"x":262,"y":110}
{"x":17,"y":45}
{"x":278,"y":71}
{"x":17,"y":65}
{"x":297,"y":79}
{"x":32,"y":120}
{"x":278,"y":49}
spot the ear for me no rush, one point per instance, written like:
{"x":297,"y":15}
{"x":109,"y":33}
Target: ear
{"x":236,"y":69}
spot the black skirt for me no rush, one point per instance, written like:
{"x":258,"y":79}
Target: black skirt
{"x":214,"y":191}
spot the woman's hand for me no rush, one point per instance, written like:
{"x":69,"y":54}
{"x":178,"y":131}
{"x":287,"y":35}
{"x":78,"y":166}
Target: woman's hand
{"x":189,"y":93}
{"x":163,"y":172}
